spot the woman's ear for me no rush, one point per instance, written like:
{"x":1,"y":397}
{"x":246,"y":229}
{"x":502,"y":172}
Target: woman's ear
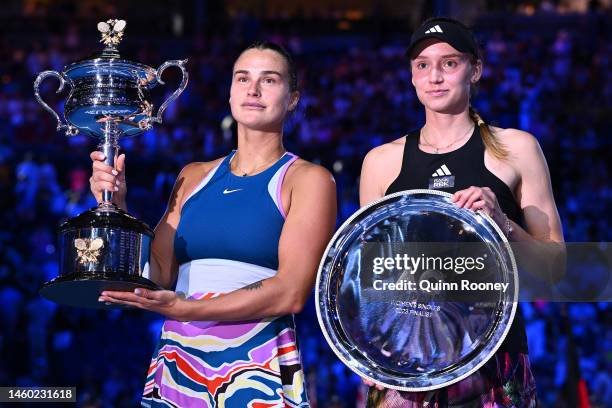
{"x":476,"y":71}
{"x":293,"y":100}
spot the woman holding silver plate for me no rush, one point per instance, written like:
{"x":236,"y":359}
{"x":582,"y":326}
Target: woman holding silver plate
{"x":241,"y":237}
{"x":501,"y":172}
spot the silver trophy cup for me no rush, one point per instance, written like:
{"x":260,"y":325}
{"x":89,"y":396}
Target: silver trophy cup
{"x":391,"y":295}
{"x":105,"y":248}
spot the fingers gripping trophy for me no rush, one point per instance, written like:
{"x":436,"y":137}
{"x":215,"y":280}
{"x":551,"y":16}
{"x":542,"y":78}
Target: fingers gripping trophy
{"x":105,"y":248}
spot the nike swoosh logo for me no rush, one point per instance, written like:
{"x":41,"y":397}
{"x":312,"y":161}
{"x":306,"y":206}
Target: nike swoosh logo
{"x":226,"y":191}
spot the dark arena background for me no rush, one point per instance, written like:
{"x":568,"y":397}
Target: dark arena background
{"x":548,"y":70}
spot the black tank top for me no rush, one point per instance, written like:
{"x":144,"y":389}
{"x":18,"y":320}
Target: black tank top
{"x":454,"y":171}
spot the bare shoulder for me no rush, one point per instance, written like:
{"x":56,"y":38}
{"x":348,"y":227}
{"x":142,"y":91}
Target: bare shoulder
{"x":303,"y":172}
{"x":515,"y":139}
{"x":191,"y":175}
{"x":523,"y":147}
{"x":389,"y":151}
{"x":383,"y":163}
{"x":380,"y":167}
{"x":199,"y":169}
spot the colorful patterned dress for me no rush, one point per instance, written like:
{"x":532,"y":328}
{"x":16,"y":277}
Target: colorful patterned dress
{"x":228,"y":238}
{"x":505,"y":381}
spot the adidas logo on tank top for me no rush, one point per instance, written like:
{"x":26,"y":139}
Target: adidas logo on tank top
{"x":442,"y":178}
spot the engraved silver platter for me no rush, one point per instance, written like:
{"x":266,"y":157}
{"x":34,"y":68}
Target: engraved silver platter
{"x":387,"y":324}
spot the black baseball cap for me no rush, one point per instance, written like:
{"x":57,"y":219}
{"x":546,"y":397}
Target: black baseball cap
{"x":447,"y":30}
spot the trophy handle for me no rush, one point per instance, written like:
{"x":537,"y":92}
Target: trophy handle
{"x":70,"y":130}
{"x":175,"y":94}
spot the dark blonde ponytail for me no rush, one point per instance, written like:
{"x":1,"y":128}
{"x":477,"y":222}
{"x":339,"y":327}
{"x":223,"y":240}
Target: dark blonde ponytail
{"x":491,"y":142}
{"x":375,"y":397}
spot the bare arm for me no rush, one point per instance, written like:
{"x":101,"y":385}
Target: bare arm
{"x":163,"y":267}
{"x":540,"y":250}
{"x":535,"y":194}
{"x":380,"y":167}
{"x":370,"y":180}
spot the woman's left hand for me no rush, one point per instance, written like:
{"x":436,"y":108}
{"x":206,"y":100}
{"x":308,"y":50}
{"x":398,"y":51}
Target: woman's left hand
{"x":165,"y":302}
{"x":480,"y":199}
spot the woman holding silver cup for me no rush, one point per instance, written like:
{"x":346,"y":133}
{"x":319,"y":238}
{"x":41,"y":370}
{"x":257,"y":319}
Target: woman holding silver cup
{"x":241,"y":237}
{"x":501,"y":172}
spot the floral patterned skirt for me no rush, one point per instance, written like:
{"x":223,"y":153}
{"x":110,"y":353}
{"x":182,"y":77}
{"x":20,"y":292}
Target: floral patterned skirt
{"x":505,"y":381}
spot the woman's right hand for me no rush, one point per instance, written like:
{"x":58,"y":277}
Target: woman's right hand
{"x":105,"y":177}
{"x":370,"y":383}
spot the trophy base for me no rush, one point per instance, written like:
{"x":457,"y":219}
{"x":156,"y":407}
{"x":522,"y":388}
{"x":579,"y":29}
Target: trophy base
{"x":80,"y":290}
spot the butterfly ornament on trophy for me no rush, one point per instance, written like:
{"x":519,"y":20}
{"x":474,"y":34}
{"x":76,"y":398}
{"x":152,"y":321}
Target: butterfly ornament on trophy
{"x":112,"y":31}
{"x":88,"y":250}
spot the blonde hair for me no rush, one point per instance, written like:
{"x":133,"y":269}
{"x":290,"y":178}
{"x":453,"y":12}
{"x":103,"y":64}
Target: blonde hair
{"x":491,"y":142}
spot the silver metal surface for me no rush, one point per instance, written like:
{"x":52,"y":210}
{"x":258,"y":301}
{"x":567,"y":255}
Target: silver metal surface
{"x":415,"y":340}
{"x":108,"y":87}
{"x":110,"y":148}
{"x":105,"y":248}
{"x":123,"y":252}
{"x":174,"y":63}
{"x":70,"y":130}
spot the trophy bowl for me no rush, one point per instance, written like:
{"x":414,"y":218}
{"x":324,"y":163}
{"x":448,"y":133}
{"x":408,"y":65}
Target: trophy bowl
{"x":414,"y":293}
{"x":105,"y":248}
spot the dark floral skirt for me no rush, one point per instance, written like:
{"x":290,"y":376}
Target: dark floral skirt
{"x":505,"y":381}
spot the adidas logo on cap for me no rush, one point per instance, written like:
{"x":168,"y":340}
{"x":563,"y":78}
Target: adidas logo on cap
{"x":434,"y":29}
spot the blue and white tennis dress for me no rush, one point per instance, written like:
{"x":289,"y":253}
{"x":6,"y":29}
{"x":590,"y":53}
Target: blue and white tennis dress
{"x":228,"y":238}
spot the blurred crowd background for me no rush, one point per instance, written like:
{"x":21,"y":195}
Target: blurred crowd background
{"x":547,"y":71}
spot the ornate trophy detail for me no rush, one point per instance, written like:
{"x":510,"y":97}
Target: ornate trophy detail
{"x":112,"y":32}
{"x":105,"y":248}
{"x":88,"y":250}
